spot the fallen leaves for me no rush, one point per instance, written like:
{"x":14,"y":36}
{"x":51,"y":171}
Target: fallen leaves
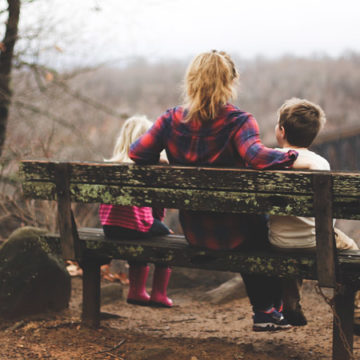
{"x":110,"y":276}
{"x":75,"y":270}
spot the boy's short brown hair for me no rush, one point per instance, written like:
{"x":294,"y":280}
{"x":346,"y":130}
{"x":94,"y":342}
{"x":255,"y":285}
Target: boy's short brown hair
{"x":301,"y":120}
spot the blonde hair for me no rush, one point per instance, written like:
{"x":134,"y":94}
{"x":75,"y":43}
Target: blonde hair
{"x":209,"y":84}
{"x":132,"y":129}
{"x":302,"y":120}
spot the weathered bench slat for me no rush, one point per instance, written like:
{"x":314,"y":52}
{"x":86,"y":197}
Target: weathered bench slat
{"x":183,"y":177}
{"x":175,"y":251}
{"x":226,"y":201}
{"x":299,"y":182}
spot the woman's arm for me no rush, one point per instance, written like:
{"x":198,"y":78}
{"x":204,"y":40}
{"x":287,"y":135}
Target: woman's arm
{"x":255,"y":154}
{"x":147,"y":149}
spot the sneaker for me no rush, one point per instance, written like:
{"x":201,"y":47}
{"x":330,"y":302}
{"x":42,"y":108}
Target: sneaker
{"x":295,"y":317}
{"x":271,"y":320}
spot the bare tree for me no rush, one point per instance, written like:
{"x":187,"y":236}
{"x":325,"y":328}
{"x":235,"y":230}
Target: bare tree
{"x":6,"y":55}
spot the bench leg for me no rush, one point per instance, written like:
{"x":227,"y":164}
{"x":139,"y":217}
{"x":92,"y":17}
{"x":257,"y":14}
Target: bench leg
{"x":344,"y":307}
{"x":91,"y":293}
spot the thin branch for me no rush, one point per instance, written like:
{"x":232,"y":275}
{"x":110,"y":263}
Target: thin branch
{"x":62,"y":325}
{"x":89,"y":101}
{"x":66,"y":88}
{"x":20,"y":213}
{"x":59,"y":120}
{"x":113,"y":348}
{"x":81,"y":71}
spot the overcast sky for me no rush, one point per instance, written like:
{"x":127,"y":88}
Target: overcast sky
{"x":112,"y":29}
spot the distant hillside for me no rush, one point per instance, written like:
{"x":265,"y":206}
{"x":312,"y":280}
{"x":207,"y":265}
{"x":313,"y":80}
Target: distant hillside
{"x":79,"y":129}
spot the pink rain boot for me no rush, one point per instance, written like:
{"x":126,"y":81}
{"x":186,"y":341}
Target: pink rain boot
{"x":137,"y":279}
{"x":160,"y":282}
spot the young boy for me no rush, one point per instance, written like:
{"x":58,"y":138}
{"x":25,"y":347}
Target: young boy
{"x":298,"y":124}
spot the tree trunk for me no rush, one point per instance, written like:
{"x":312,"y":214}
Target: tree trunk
{"x":6,"y":56}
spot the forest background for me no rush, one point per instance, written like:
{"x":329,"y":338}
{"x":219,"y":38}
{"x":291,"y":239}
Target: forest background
{"x":74,"y":110}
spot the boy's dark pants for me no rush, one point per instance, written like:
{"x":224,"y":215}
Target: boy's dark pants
{"x":264,"y":292}
{"x":291,"y":290}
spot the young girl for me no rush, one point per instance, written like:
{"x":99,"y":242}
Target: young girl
{"x":132,"y":222}
{"x":209,"y":131}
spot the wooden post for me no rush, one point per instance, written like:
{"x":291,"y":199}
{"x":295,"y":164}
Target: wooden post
{"x":325,"y":240}
{"x":91,"y":293}
{"x":343,"y":332}
{"x":327,"y":268}
{"x":68,"y":232}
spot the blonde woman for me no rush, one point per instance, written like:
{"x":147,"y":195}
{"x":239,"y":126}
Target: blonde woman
{"x":132,"y":222}
{"x":209,"y":131}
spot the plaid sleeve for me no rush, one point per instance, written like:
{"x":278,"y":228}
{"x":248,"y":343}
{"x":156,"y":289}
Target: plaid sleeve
{"x":255,"y":154}
{"x":147,"y":149}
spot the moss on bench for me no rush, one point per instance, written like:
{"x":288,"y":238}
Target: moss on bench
{"x":175,"y":251}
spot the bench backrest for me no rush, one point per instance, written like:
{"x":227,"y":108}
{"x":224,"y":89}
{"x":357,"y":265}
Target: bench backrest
{"x":319,"y":194}
{"x":195,"y":188}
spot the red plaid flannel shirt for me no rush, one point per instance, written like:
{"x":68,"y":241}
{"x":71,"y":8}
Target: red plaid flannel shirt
{"x":232,"y":140}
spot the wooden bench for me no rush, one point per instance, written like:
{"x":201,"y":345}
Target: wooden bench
{"x":322,"y":195}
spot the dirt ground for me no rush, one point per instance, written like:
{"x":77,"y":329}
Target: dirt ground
{"x":192,"y":330}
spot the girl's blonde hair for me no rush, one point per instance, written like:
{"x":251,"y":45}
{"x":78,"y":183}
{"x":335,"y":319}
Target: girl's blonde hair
{"x":209,"y":84}
{"x":132,"y":129}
